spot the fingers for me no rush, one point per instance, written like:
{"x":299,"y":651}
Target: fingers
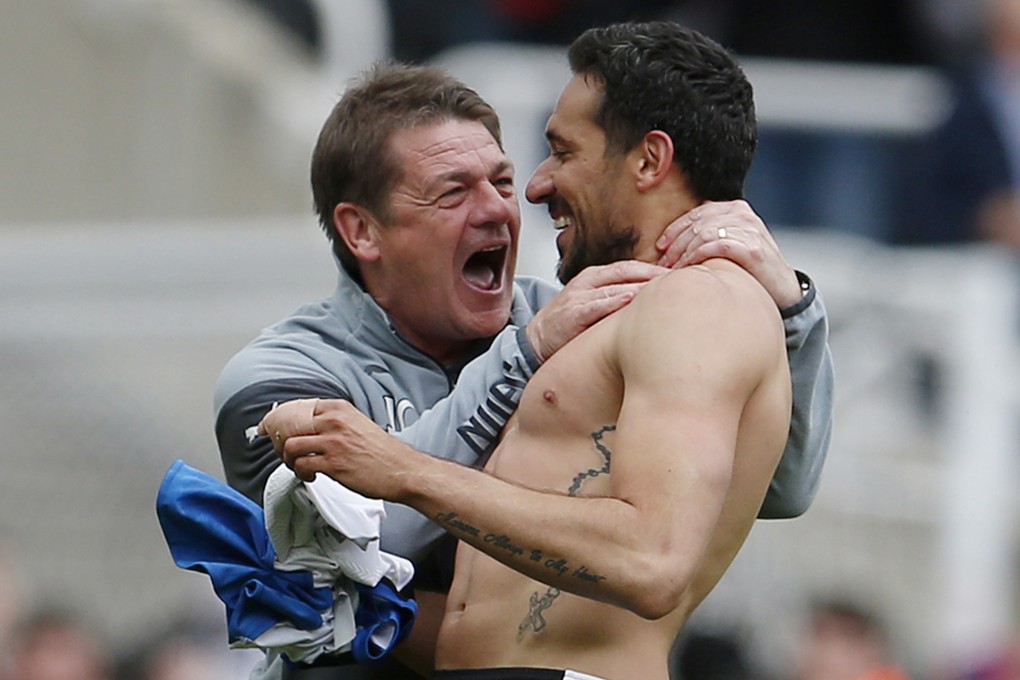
{"x":289,"y":419}
{"x":725,"y":247}
{"x":691,"y":230}
{"x":300,"y":417}
{"x":301,"y":454}
{"x":597,"y":309}
{"x":624,"y":271}
{"x":694,"y":247}
{"x":732,"y":230}
{"x":738,"y":229}
{"x":584,"y":301}
{"x":676,"y":239}
{"x":314,"y":436}
{"x":305,"y":468}
{"x":605,"y":301}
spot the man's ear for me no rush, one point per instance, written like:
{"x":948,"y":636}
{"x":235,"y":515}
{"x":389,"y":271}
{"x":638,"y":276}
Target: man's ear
{"x":654,"y":159}
{"x":359,"y":230}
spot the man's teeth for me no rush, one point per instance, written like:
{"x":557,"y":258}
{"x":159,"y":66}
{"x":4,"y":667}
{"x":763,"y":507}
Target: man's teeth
{"x":562,"y":222}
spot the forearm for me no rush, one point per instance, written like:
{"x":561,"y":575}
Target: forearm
{"x":798,"y":475}
{"x":591,"y":547}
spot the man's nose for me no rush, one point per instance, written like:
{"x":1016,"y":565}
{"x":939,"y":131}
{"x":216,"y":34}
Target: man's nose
{"x":540,"y":186}
{"x":494,"y":207}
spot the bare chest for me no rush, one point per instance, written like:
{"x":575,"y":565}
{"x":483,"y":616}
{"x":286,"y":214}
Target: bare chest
{"x":561,"y":436}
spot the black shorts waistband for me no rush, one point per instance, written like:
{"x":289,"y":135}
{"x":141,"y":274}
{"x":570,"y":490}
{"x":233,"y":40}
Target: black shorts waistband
{"x":499,"y":674}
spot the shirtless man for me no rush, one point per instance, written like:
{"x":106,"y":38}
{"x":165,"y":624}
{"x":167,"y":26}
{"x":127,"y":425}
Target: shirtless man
{"x":636,"y":463}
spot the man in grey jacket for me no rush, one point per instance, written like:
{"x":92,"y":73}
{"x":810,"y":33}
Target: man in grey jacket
{"x":428,"y":332}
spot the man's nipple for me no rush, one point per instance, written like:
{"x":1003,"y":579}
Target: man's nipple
{"x":550,"y":396}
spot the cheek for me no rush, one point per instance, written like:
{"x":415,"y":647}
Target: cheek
{"x":433,"y":251}
{"x":427,"y":279}
{"x":587,"y":196}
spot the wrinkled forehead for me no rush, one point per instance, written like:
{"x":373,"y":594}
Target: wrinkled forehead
{"x":431,"y":148}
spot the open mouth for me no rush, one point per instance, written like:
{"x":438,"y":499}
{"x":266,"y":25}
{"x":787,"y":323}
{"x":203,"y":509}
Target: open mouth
{"x":561,"y":214}
{"x":484,"y":269}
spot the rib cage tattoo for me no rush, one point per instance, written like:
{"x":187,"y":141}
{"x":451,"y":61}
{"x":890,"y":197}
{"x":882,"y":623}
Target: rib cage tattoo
{"x":603,"y":451}
{"x":534,"y":621}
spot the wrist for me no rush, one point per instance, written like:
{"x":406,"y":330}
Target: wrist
{"x":531,"y":336}
{"x":791,"y":292}
{"x":805,"y":296}
{"x":423,"y":483}
{"x":409,"y":480}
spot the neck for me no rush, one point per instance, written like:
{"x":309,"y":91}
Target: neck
{"x":444,"y":349}
{"x":658,"y":210}
{"x":645,"y":249}
{"x":446,"y":353}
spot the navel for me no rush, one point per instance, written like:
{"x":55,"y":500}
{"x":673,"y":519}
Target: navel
{"x":550,"y":396}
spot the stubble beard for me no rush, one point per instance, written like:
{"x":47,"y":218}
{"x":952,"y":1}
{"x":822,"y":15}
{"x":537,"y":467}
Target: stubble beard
{"x":618,"y":243}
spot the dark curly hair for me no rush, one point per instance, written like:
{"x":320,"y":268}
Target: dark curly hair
{"x":663,"y":76}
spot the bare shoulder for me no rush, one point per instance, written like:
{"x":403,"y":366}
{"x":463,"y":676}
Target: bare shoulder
{"x":711,"y":310}
{"x":709,"y":288}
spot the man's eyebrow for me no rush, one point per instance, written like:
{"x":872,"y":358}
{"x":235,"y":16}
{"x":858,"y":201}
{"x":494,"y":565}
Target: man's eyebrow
{"x":434,"y":183}
{"x":467,"y":176}
{"x":554,"y":137}
{"x":505,"y":165}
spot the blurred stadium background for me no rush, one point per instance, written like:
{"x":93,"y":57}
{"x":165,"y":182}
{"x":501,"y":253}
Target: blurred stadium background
{"x":155,"y":214}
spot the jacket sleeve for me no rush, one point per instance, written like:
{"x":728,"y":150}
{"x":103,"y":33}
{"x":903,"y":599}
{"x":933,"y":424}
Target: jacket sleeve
{"x":463,"y":427}
{"x":247,"y":459}
{"x":799,"y":472}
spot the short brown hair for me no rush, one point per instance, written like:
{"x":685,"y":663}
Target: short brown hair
{"x":352,"y":160}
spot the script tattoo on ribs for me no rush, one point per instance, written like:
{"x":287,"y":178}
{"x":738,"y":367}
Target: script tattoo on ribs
{"x":534,"y":621}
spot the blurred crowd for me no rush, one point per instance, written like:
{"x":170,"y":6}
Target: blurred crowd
{"x":43,"y":640}
{"x":43,"y":637}
{"x":839,"y":639}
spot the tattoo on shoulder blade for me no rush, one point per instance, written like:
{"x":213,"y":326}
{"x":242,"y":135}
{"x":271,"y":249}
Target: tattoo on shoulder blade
{"x":606,"y":456}
{"x":534,"y":620}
